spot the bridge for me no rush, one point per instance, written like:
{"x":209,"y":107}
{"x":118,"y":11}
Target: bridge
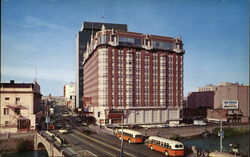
{"x":53,"y":145}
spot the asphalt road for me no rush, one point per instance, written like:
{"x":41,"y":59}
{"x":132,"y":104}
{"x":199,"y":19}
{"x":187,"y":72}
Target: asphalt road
{"x":100,"y":144}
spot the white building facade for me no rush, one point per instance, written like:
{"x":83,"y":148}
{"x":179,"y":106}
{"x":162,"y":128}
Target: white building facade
{"x":70,"y":95}
{"x":19,"y":104}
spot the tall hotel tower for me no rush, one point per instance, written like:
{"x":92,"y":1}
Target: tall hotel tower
{"x":136,"y":75}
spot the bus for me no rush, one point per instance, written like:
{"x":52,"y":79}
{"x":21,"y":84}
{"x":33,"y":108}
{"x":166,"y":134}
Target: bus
{"x":130,"y":135}
{"x":166,"y":146}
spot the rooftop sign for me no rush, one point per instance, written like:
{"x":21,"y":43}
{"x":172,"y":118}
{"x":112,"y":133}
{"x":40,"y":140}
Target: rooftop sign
{"x":230,"y":104}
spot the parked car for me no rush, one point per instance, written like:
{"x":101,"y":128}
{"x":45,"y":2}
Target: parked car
{"x":69,"y":127}
{"x":199,"y":122}
{"x":112,"y":126}
{"x":58,"y":125}
{"x":164,"y":126}
{"x":135,"y":126}
{"x":87,"y":131}
{"x":78,"y":119}
{"x":84,"y":123}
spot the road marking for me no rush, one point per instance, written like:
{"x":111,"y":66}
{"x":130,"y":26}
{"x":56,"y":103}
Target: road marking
{"x":95,"y":146}
{"x":86,"y":152}
{"x":105,"y":144}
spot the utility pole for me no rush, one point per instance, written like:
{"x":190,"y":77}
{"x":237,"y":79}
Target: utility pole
{"x":221,"y":132}
{"x":221,"y":135}
{"x":121,"y":155}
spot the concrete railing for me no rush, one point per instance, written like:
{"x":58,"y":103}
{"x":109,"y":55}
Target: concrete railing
{"x":48,"y":144}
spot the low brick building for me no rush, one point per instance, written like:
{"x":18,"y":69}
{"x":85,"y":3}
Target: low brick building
{"x":212,"y":97}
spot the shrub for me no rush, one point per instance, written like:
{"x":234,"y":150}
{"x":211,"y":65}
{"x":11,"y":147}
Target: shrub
{"x":175,"y":137}
{"x":231,"y":131}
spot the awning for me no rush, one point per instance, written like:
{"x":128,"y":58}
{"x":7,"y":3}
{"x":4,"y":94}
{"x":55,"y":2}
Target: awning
{"x":23,"y":118}
{"x":16,"y":106}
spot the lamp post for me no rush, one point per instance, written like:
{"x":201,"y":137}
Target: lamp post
{"x":122,"y":123}
{"x":121,"y":155}
{"x":221,"y":133}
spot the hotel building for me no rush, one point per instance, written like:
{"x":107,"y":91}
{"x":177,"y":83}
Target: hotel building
{"x":19,"y":104}
{"x":136,"y":75}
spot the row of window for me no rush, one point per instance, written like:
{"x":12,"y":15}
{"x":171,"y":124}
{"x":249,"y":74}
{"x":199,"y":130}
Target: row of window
{"x":17,"y":99}
{"x":6,"y":111}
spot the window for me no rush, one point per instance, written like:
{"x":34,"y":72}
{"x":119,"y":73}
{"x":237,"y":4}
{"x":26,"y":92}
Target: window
{"x":7,"y":98}
{"x":138,"y":136}
{"x":99,"y":114}
{"x":17,"y":111}
{"x":112,"y":38}
{"x":126,"y":41}
{"x":162,"y":45}
{"x":6,"y":111}
{"x":17,"y":100}
{"x":7,"y":123}
{"x":103,"y":39}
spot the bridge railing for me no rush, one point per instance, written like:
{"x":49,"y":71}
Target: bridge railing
{"x":57,"y":143}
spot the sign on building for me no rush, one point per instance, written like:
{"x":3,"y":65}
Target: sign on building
{"x":230,"y":104}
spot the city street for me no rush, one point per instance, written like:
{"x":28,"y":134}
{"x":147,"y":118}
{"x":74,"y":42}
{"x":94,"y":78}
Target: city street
{"x":99,"y":144}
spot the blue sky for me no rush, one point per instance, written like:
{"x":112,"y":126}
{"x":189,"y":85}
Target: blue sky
{"x":41,"y":34}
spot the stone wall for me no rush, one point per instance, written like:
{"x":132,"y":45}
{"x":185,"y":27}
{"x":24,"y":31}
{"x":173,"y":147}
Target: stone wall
{"x":10,"y":143}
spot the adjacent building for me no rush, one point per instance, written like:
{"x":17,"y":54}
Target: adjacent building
{"x":138,"y":75}
{"x":69,"y":95}
{"x":83,"y":37}
{"x":216,"y":97}
{"x":19,"y":104}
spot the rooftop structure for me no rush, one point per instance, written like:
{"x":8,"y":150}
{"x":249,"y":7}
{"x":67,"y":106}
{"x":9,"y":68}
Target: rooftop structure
{"x":82,"y":38}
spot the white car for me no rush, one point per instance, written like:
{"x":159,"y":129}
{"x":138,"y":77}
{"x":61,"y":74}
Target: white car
{"x":199,"y":122}
{"x":63,"y":131}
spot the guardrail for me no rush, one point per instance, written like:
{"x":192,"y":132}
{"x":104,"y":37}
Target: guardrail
{"x":57,"y":143}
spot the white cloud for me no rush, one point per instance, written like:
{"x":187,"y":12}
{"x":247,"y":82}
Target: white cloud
{"x":27,"y":72}
{"x":31,"y":22}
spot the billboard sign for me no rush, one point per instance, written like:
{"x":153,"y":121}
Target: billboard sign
{"x":230,"y":104}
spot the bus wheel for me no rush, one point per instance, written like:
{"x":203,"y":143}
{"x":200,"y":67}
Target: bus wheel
{"x":166,"y":153}
{"x":129,"y":141}
{"x":151,"y":148}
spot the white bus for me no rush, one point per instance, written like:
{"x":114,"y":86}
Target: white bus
{"x":130,"y":135}
{"x":166,"y":146}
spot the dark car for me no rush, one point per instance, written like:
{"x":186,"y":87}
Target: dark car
{"x":87,"y":131}
{"x":112,"y":126}
{"x":79,"y":119}
{"x":135,"y":126}
{"x":84,"y":123}
{"x":58,"y":125}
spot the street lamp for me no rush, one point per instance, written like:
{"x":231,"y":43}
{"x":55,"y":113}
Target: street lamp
{"x":221,"y":133}
{"x":122,"y":123}
{"x":121,"y":155}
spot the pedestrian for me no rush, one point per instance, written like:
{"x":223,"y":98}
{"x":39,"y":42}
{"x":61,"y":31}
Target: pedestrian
{"x":235,"y":147}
